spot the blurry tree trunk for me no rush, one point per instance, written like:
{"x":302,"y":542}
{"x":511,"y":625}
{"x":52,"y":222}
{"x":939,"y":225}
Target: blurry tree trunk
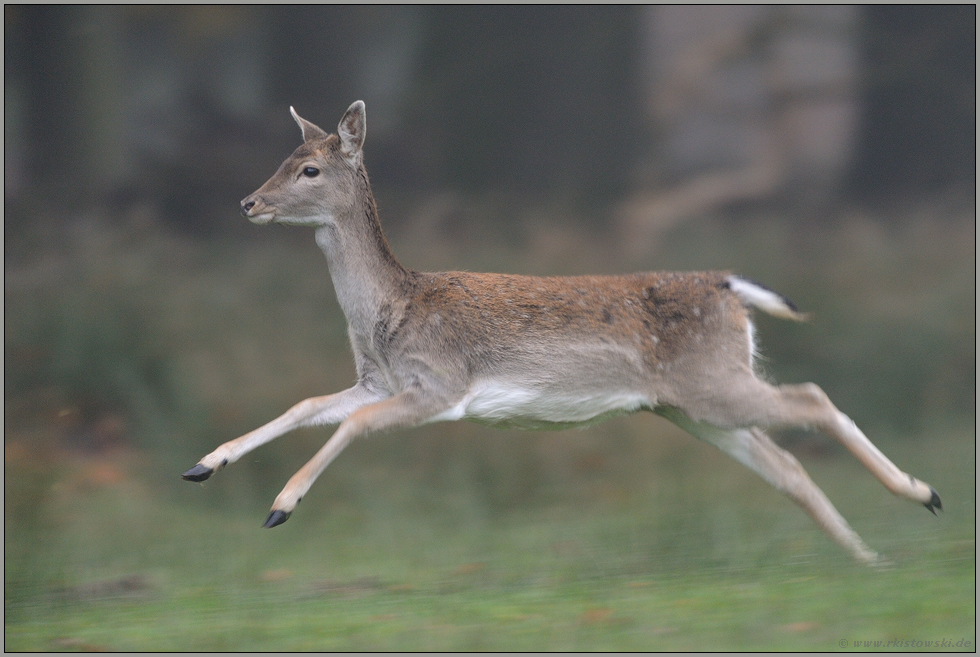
{"x":70,"y":76}
{"x":919,"y":89}
{"x":94,"y":49}
{"x":747,"y":102}
{"x":531,"y":99}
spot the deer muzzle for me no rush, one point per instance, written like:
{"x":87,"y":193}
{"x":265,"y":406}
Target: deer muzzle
{"x":257,"y":211}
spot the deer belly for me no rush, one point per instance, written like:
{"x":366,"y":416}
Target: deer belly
{"x":512,"y":405}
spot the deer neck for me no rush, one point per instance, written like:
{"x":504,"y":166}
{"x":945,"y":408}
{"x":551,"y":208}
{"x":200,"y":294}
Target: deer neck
{"x":366,"y":275}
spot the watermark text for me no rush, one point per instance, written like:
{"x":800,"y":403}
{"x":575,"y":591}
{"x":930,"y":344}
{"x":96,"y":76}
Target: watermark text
{"x":924,"y":644}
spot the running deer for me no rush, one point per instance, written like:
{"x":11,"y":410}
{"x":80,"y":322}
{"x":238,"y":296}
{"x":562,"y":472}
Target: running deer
{"x":533,"y":353}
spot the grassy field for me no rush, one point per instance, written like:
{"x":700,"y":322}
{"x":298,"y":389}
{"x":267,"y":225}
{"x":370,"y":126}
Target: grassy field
{"x":130,"y":351}
{"x":706,"y":559}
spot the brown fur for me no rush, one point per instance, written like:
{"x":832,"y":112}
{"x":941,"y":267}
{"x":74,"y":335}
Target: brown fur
{"x":535,"y":352}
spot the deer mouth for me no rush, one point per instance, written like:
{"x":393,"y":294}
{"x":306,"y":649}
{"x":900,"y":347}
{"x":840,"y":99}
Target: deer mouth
{"x":257,"y":213}
{"x":262,"y":218}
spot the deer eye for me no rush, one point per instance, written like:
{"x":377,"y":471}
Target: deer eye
{"x":311,"y":172}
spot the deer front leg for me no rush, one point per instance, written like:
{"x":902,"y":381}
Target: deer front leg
{"x":407,"y":408}
{"x":330,"y":409}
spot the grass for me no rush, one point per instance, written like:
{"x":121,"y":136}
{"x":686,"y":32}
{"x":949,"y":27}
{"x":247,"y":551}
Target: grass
{"x":715,"y":611}
{"x":716,"y":562}
{"x":131,"y":351}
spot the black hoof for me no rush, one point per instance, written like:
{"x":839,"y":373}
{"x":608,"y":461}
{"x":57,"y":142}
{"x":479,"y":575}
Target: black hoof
{"x":276,"y":518}
{"x":198,"y":473}
{"x":934,"y":503}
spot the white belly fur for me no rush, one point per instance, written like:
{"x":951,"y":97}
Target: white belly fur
{"x":501,"y":402}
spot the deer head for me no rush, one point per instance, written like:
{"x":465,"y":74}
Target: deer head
{"x":318,"y":181}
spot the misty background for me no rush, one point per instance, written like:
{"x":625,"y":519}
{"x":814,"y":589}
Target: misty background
{"x":181,"y":107}
{"x":826,"y":151}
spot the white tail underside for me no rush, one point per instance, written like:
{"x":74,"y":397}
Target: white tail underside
{"x":536,"y":352}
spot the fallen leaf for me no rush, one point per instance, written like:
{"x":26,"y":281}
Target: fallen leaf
{"x":802,"y":626}
{"x":78,"y":645}
{"x":470,"y":568}
{"x":276,"y":575}
{"x":594,"y":616}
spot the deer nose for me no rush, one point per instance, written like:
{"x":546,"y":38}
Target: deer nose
{"x":246,"y":206}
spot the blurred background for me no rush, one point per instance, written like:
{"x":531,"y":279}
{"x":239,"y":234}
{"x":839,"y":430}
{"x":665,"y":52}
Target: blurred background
{"x":828,"y":152}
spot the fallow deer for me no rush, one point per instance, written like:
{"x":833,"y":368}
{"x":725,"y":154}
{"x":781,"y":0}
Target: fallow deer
{"x":531,"y":352}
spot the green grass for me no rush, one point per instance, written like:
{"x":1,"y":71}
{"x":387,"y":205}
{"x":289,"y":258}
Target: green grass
{"x":131,"y":351}
{"x":793,"y":609}
{"x":705,"y":559}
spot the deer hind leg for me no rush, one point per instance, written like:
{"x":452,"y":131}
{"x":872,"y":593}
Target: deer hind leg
{"x":315,"y":410}
{"x":806,"y":404}
{"x":750,"y":402}
{"x":407,"y":408}
{"x":754,"y":449}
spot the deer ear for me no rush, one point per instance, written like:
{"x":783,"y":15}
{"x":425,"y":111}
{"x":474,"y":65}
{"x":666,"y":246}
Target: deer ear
{"x":310,"y":131}
{"x":352,"y":128}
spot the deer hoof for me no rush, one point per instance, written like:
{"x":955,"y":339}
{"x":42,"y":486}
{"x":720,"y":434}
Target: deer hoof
{"x":934,"y":503}
{"x":198,"y":473}
{"x":276,"y":518}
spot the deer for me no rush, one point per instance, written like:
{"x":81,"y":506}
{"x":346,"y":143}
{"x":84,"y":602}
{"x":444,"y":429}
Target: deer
{"x":537,"y":352}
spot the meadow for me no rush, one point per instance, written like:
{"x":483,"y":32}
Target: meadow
{"x":131,"y":350}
